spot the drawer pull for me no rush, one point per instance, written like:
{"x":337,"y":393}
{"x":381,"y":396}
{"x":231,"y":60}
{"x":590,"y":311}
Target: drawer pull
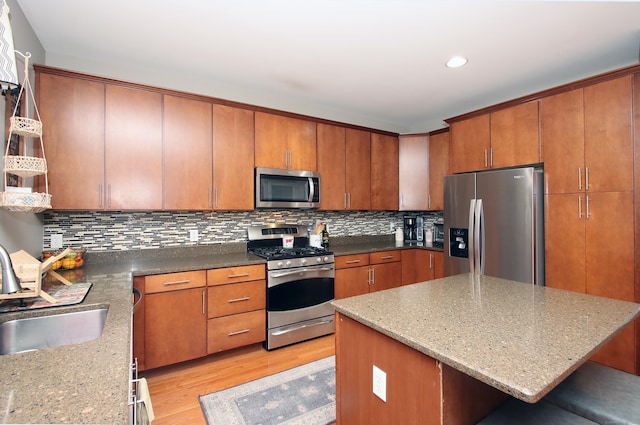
{"x":352,"y":261}
{"x":177,"y":282}
{"x":235,"y":300}
{"x":387,"y":257}
{"x":231,"y":276}
{"x":244,"y":331}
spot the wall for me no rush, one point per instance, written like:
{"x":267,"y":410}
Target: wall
{"x":19,"y":230}
{"x":121,"y":231}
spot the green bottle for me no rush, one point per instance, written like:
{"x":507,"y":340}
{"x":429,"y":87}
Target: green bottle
{"x":325,"y":236}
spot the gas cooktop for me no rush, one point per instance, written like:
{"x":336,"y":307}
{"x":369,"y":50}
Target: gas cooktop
{"x":281,"y":253}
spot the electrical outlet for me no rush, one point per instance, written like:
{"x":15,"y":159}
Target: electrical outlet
{"x":56,"y":241}
{"x":380,"y":383}
{"x":193,"y":235}
{"x":391,"y":226}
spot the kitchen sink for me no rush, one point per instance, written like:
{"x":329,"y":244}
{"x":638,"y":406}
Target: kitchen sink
{"x":34,"y":333}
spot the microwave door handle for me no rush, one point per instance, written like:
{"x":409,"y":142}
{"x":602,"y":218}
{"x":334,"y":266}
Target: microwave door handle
{"x":312,"y":189}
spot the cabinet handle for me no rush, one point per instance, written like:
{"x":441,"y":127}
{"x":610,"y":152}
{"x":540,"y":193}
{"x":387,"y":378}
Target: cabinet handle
{"x":349,"y":200}
{"x":580,"y":207}
{"x":586,"y":185}
{"x":486,"y":163}
{"x":579,"y":178}
{"x":216,"y":198}
{"x":373,"y":276}
{"x":100,"y":196}
{"x":429,"y":201}
{"x":204,"y":303}
{"x":176,"y":282}
{"x":233,"y":276}
{"x":210,"y":201}
{"x":235,"y":300}
{"x":369,"y":277}
{"x":352,"y":261}
{"x":244,"y":331}
{"x":491,"y":157}
{"x":387,"y":257}
{"x":430,"y":261}
{"x":588,"y":215}
{"x":344,"y":200}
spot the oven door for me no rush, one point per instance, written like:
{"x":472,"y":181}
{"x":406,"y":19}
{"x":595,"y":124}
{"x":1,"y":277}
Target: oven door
{"x":299,"y":304}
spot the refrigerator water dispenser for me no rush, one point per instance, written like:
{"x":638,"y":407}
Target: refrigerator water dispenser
{"x":459,"y":242}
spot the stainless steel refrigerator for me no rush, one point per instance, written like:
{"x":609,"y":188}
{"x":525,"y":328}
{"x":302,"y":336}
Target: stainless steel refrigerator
{"x":494,"y":224}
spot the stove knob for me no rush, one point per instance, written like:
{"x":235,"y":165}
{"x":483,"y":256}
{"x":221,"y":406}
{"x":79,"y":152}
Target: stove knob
{"x":303,"y":261}
{"x":326,"y":259}
{"x":288,"y":263}
{"x":279,"y":264}
{"x":319,"y":259}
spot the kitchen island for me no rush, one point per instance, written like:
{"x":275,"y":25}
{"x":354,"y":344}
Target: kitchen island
{"x":453,"y":349}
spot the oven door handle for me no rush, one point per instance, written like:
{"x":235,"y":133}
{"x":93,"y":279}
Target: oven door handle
{"x":298,"y":271}
{"x":298,"y":327}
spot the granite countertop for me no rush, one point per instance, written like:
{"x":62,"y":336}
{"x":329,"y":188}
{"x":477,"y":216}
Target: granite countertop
{"x":520,"y":338}
{"x":88,"y":383}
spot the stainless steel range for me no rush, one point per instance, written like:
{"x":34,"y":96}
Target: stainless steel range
{"x":300,"y":284}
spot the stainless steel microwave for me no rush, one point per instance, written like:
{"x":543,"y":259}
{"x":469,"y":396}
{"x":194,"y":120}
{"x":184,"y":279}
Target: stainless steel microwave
{"x":276,"y":188}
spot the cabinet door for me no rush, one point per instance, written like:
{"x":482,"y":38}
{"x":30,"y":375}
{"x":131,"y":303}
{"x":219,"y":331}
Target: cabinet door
{"x":233,"y":158}
{"x":358,"y":169}
{"x":565,"y":242}
{"x":438,"y":168}
{"x":384,"y":172}
{"x":351,"y":282}
{"x":414,"y":183}
{"x":562,"y":138}
{"x":271,"y":141}
{"x":417,"y":266}
{"x":386,"y":276}
{"x":225,"y":333}
{"x":608,"y":142}
{"x":175,"y":327}
{"x":470,"y":144}
{"x":187,"y":154}
{"x":514,"y":136}
{"x":438,"y":262}
{"x":301,"y":143}
{"x":332,"y":166}
{"x":133,"y":149}
{"x":72,"y":111}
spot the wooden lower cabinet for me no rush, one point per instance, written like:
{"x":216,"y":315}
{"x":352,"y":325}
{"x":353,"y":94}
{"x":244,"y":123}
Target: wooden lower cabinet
{"x":419,"y":265}
{"x":236,"y":307}
{"x":419,"y":389}
{"x":175,"y":320}
{"x":363,"y":273}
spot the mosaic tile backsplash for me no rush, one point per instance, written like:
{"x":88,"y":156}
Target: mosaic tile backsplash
{"x":123,"y":231}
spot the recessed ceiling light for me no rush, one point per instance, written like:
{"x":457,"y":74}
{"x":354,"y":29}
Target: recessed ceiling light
{"x":456,"y":62}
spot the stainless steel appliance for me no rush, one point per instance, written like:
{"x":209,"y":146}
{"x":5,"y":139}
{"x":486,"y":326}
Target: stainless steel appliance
{"x":300,"y":284}
{"x":438,"y":234}
{"x":413,"y":228}
{"x":275,"y":188}
{"x":493,"y":224}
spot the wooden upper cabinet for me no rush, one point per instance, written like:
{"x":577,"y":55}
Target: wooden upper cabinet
{"x":470,"y":144}
{"x":332,"y":166}
{"x":562,"y":138}
{"x":438,"y":168}
{"x":608,"y":141}
{"x":73,"y":135}
{"x":384,"y":172}
{"x":284,"y":142}
{"x":358,"y":179}
{"x":187,"y":154}
{"x":414,"y":172}
{"x":514,"y":136}
{"x":133,"y":149}
{"x":586,"y":138}
{"x":233,"y":158}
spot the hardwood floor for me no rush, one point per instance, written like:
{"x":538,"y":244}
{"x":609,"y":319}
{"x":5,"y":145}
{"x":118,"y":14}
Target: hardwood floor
{"x":175,"y":389}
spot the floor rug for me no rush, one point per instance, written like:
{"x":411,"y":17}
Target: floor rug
{"x":64,"y":295}
{"x":303,"y":395}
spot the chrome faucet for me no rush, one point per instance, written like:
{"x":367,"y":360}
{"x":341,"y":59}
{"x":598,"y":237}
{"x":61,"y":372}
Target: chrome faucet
{"x":10,"y":282}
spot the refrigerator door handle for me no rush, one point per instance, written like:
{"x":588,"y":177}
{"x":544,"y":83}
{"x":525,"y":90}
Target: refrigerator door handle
{"x":479,"y":237}
{"x":471,"y":241}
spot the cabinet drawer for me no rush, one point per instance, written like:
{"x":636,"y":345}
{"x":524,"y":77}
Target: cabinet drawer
{"x":237,"y":298}
{"x":346,"y":261}
{"x":385,"y":257}
{"x":236,"y":330}
{"x":235,"y":274}
{"x":174,"y":281}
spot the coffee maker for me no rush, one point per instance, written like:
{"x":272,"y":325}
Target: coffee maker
{"x":413,"y":228}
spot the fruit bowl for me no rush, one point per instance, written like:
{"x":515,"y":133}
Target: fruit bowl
{"x":73,"y":260}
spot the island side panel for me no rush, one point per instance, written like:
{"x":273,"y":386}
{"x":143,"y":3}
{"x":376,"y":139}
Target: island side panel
{"x":413,"y":379}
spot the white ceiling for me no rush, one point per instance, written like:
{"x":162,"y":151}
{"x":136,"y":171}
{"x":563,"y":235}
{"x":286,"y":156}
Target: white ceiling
{"x":376,"y":63}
